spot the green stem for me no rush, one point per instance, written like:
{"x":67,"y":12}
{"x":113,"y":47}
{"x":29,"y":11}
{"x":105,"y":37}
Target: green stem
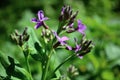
{"x":26,"y":55}
{"x":27,"y":64}
{"x":28,"y":67}
{"x":67,"y":59}
{"x":42,"y":72}
{"x":45,"y":69}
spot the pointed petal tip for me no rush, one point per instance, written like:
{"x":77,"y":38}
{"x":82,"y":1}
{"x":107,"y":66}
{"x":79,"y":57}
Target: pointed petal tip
{"x":34,"y":20}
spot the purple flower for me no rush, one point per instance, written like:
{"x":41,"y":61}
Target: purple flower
{"x":39,"y":21}
{"x":62,"y":39}
{"x":81,"y":27}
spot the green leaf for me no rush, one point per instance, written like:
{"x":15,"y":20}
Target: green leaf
{"x":11,"y":67}
{"x":40,"y":55}
{"x":11,"y":60}
{"x":18,"y":72}
{"x":14,"y":78}
{"x":38,"y":48}
{"x":21,"y":73}
{"x":112,"y":51}
{"x":37,"y":57}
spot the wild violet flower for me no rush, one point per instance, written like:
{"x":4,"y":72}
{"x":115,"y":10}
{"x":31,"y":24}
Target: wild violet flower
{"x":39,"y":22}
{"x":81,"y":27}
{"x":62,"y":39}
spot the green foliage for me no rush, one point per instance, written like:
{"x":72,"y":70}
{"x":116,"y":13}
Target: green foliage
{"x":13,"y":69}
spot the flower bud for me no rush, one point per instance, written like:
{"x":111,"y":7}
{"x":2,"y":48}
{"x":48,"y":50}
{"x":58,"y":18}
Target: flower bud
{"x":66,"y":13}
{"x":72,"y":71}
{"x":47,"y":35}
{"x":20,"y":39}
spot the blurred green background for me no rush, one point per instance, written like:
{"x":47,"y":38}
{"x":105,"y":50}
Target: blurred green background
{"x":102,"y":18}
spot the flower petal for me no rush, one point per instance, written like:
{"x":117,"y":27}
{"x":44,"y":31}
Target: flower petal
{"x":40,"y":15}
{"x":79,"y":22}
{"x":38,"y":25}
{"x":81,"y":27}
{"x":45,"y":18}
{"x":69,"y":47}
{"x":34,"y":20}
{"x":64,"y":38}
{"x":56,"y":35}
{"x":62,"y":42}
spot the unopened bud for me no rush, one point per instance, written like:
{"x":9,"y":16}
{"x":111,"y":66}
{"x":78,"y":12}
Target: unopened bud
{"x":66,"y":13}
{"x":25,"y":31}
{"x":72,"y":71}
{"x":20,"y":39}
{"x":47,"y":35}
{"x":16,"y":33}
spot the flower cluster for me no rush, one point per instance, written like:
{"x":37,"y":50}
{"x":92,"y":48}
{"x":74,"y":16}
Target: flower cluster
{"x":50,"y":40}
{"x":66,"y":24}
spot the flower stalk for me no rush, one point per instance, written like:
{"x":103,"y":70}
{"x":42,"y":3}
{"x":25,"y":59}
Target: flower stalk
{"x":46,"y":66}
